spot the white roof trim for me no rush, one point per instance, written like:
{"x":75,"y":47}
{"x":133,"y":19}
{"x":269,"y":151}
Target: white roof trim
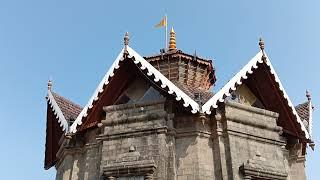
{"x":151,"y":71}
{"x":231,"y":85}
{"x":237,"y":80}
{"x":310,"y":118}
{"x":57,"y":112}
{"x":164,"y":82}
{"x":95,"y":96}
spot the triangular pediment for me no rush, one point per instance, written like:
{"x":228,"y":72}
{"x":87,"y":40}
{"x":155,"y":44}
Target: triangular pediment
{"x":55,"y":128}
{"x":244,"y":95}
{"x":117,"y":80}
{"x":139,"y":91}
{"x":127,"y":86}
{"x":263,"y":82}
{"x":60,"y":113}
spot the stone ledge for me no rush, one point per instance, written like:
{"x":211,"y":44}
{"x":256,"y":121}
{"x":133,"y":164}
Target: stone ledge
{"x":127,"y":134}
{"x":246,"y":121}
{"x":124,"y":118}
{"x":252,"y":109}
{"x":142,"y":167}
{"x":259,"y":167}
{"x":137,"y":106}
{"x":256,"y":138}
{"x":181,"y":134}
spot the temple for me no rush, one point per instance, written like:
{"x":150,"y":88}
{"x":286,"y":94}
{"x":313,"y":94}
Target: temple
{"x":158,"y":117}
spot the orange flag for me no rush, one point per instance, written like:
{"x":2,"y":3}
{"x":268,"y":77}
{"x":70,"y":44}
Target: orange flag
{"x":162,"y":23}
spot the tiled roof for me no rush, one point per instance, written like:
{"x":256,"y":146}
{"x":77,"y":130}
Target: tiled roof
{"x":303,"y":110}
{"x":191,"y":91}
{"x":177,"y":51}
{"x":69,"y":109}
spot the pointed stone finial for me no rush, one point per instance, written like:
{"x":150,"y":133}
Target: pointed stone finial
{"x":195,"y":55}
{"x":261,"y":44}
{"x":308,"y":95}
{"x":49,"y":84}
{"x":126,"y":39}
{"x":126,"y":43}
{"x":172,"y":42}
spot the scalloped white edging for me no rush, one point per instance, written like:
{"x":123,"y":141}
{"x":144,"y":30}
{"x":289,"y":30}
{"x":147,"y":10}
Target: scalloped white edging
{"x":237,"y":80}
{"x":180,"y":95}
{"x":173,"y":89}
{"x":57,"y":112}
{"x":310,"y":118}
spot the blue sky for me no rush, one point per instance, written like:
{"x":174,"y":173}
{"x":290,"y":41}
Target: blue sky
{"x":75,"y":42}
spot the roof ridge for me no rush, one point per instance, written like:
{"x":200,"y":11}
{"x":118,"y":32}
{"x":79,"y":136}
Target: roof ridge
{"x":208,"y":60}
{"x":300,"y":104}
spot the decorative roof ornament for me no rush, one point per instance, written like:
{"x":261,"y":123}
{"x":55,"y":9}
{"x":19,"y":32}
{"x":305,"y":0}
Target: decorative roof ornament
{"x":312,"y":145}
{"x":126,"y":43}
{"x":261,"y":44}
{"x":56,"y":109}
{"x":172,"y":42}
{"x":49,"y":85}
{"x":195,"y":55}
{"x":308,"y":95}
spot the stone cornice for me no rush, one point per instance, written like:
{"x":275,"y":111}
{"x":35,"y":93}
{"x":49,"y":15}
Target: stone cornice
{"x":124,"y":119}
{"x":255,"y":138}
{"x":140,"y":167}
{"x":244,"y":120}
{"x":252,"y":109}
{"x":259,"y":167}
{"x":127,"y":134}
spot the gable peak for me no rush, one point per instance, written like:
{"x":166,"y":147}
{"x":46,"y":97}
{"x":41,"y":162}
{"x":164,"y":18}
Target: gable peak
{"x":308,"y":95}
{"x":49,"y":84}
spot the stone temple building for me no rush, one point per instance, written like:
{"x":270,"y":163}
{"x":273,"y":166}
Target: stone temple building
{"x":157,"y":117}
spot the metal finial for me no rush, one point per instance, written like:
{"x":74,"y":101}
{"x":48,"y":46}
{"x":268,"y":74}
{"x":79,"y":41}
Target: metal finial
{"x":126,"y":39}
{"x":261,"y":44}
{"x":308,"y":95}
{"x":195,"y":55}
{"x":172,"y":42}
{"x":49,"y":84}
{"x":126,"y":43}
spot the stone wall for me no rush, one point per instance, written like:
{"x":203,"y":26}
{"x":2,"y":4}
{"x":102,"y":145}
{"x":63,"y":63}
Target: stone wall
{"x":79,"y":158}
{"x":255,"y":148}
{"x":134,"y":141}
{"x":145,"y":141}
{"x":296,"y":160}
{"x":194,"y":155}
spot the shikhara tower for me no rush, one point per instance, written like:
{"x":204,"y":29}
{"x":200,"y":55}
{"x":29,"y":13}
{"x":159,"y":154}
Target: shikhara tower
{"x":156,"y":117}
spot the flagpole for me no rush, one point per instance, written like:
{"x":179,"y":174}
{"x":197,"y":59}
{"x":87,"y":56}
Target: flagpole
{"x":166,"y":35}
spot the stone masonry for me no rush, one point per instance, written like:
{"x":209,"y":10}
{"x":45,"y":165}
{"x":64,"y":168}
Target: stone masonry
{"x":149,"y":141}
